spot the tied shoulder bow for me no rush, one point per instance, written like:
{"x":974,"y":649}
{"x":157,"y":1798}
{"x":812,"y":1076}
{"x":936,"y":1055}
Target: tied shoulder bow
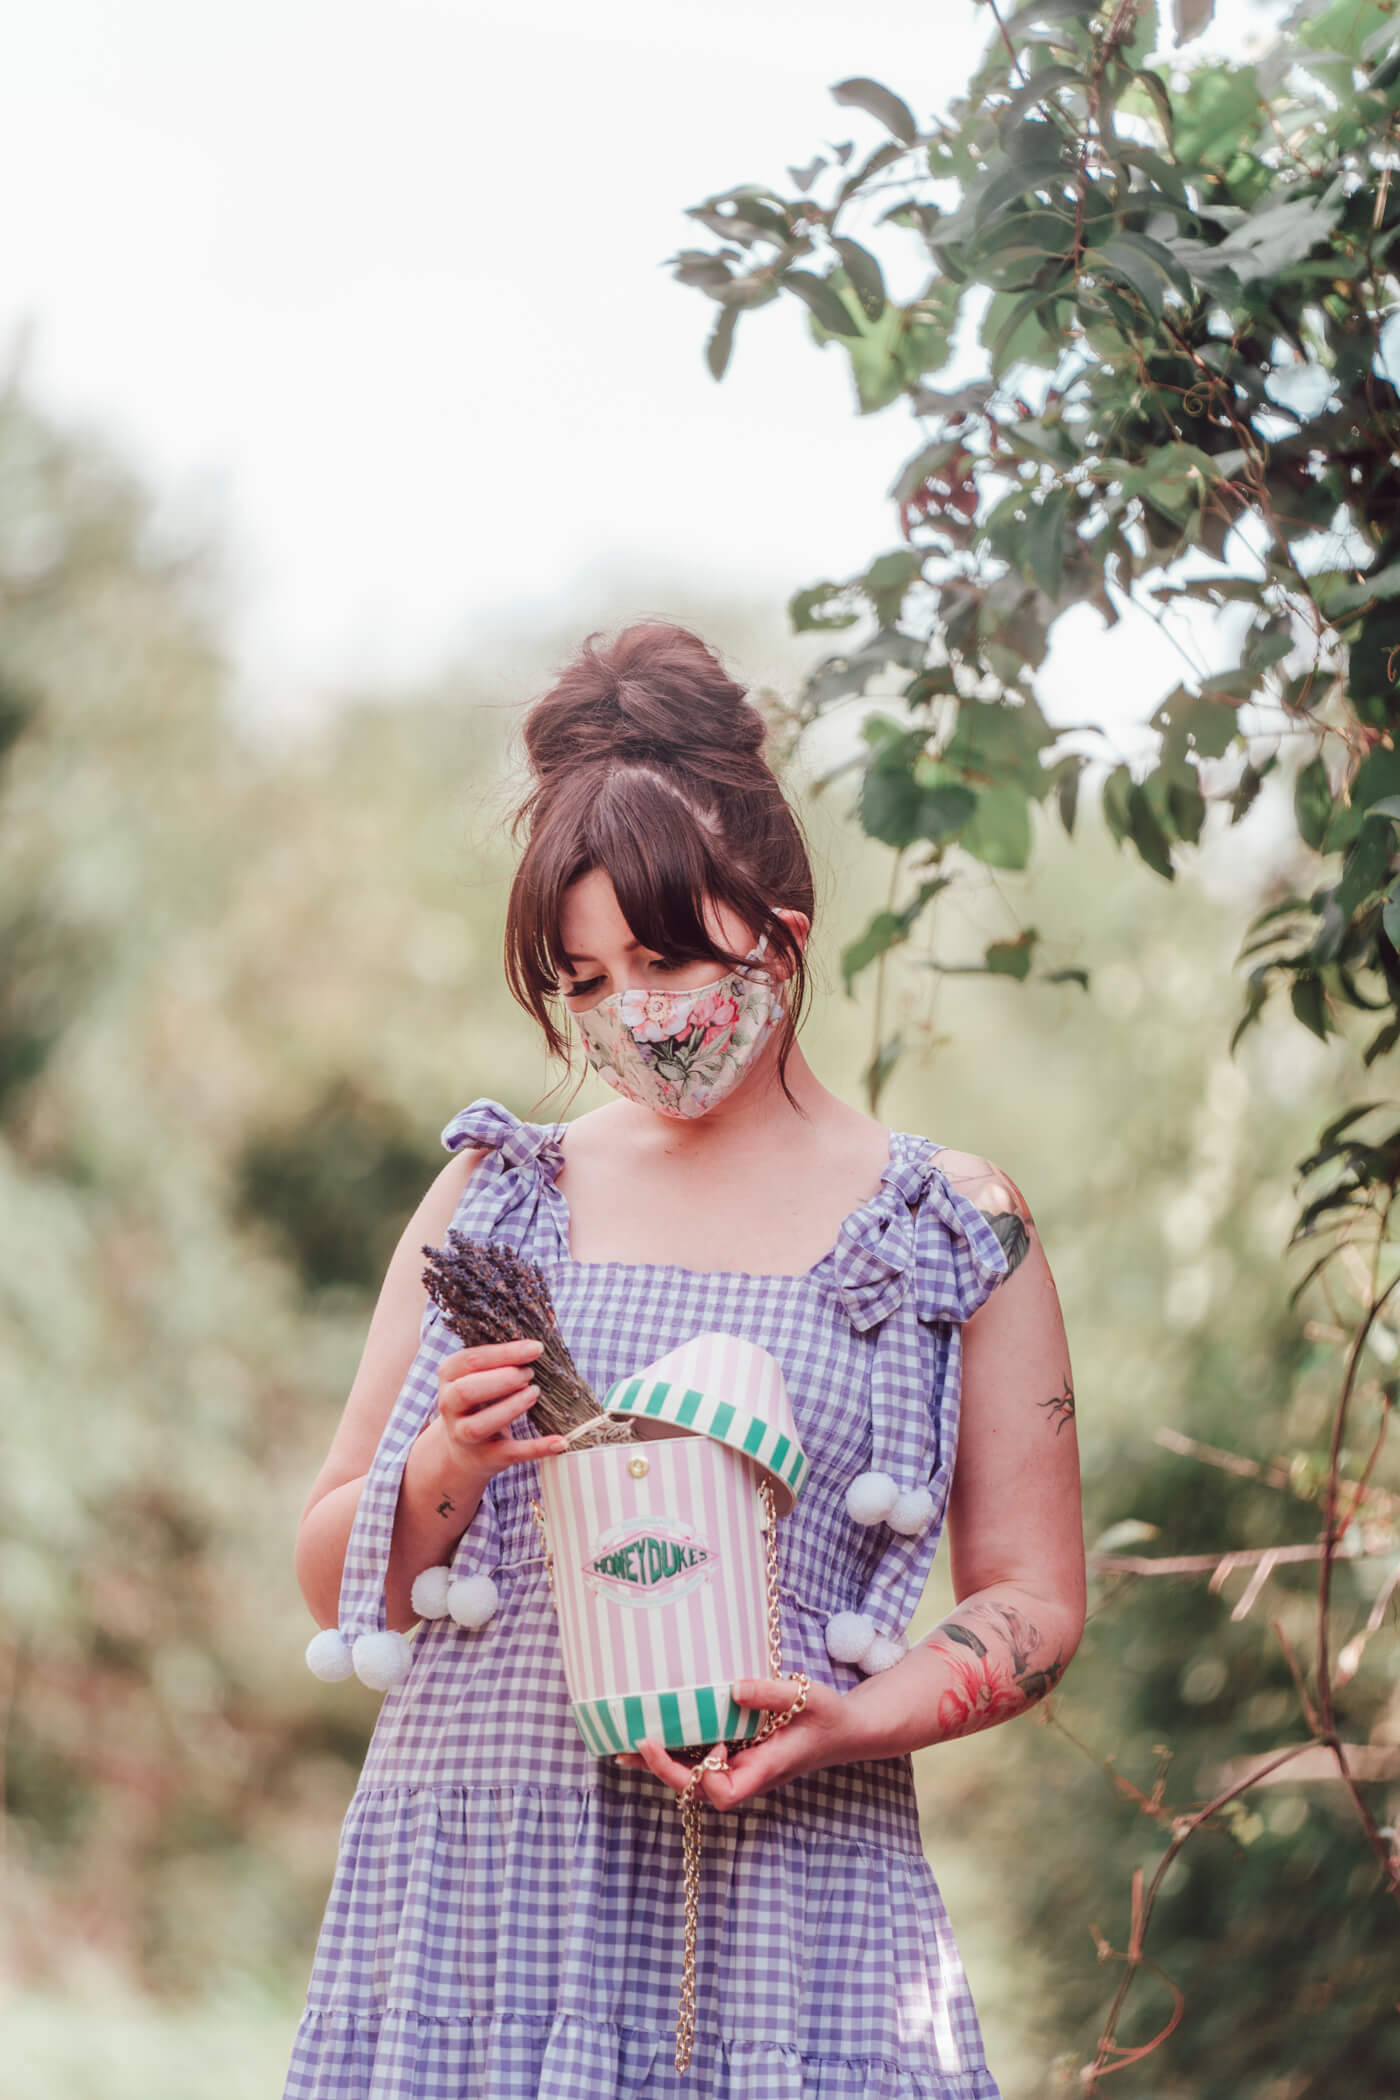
{"x":921,"y":1242}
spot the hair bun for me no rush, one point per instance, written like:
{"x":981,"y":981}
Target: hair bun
{"x":657,"y":695}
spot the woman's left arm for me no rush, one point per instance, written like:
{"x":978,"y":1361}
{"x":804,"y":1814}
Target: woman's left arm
{"x":1014,"y":1521}
{"x":1015,"y":1534}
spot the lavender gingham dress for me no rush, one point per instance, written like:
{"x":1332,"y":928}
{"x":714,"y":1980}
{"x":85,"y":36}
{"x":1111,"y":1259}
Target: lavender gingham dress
{"x":505,"y":1920}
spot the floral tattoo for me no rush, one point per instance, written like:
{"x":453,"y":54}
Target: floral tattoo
{"x":993,"y":1678}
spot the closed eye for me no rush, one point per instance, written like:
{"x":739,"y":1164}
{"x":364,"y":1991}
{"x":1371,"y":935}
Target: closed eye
{"x":589,"y":984}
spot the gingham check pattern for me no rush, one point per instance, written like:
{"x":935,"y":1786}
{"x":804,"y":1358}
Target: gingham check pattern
{"x":505,"y":1916}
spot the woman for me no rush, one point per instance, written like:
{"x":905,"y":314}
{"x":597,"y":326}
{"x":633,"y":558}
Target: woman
{"x":505,"y":1919}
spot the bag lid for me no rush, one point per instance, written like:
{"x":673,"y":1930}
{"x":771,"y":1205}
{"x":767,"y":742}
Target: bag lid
{"x":720,"y":1386}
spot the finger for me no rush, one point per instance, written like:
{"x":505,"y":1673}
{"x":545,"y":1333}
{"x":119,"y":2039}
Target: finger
{"x":535,"y":1447}
{"x":481,"y":1424}
{"x":484,"y":1356}
{"x":473,"y":1387}
{"x":775,"y":1694}
{"x":665,"y":1766}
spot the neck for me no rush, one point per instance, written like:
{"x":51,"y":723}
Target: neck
{"x":756,"y":1117}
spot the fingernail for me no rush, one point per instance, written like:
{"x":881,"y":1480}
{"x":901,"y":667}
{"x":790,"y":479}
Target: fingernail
{"x":736,"y":1692}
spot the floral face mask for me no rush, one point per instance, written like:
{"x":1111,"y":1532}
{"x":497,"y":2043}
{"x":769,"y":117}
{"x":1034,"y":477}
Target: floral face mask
{"x":681,"y":1052}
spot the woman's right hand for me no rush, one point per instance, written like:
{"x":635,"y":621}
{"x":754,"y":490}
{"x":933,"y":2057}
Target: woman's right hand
{"x":481,"y":1391}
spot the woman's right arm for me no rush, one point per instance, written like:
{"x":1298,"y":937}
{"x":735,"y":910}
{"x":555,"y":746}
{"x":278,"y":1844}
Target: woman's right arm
{"x":465,"y":1441}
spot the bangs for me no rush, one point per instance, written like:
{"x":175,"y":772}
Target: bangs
{"x":660,"y":858}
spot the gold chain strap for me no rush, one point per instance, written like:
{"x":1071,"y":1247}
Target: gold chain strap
{"x":690,"y":1800}
{"x":538,"y":1514}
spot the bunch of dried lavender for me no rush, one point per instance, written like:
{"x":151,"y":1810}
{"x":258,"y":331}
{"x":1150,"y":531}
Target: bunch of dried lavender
{"x":489,"y":1293}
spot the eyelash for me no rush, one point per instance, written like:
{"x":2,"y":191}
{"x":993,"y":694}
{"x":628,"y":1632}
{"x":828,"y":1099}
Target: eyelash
{"x":589,"y":982}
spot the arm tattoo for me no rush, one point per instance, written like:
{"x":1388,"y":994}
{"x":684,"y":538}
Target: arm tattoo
{"x":1061,"y":1405}
{"x":1004,"y":1208}
{"x":1011,"y":1231}
{"x":992,"y":1682}
{"x":446,"y":1506}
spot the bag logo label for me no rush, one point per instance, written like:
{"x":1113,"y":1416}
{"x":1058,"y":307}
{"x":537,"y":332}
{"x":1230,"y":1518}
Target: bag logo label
{"x":648,"y":1560}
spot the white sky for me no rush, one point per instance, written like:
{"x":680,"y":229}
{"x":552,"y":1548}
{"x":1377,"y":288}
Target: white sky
{"x":382,"y":288}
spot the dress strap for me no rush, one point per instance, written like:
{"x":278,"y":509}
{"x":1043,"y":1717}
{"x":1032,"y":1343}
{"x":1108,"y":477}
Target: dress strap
{"x":918,"y":1256}
{"x":505,"y":1198}
{"x":512,"y":1195}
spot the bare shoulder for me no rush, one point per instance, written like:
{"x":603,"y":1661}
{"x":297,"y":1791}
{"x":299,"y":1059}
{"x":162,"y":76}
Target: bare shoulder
{"x":995,"y":1194}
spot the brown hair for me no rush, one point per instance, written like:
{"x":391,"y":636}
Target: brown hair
{"x":647,"y":763}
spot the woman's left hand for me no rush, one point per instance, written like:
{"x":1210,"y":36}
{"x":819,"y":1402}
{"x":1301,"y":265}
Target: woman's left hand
{"x":820,"y":1736}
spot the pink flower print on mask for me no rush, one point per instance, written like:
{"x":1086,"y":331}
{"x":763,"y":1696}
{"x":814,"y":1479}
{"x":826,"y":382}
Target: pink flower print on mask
{"x":649,"y":1015}
{"x":716,"y":1013}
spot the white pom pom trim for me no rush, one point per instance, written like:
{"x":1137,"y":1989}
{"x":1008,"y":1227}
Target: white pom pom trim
{"x":429,"y":1593}
{"x":328,"y":1656}
{"x":472,"y":1600}
{"x":884,"y":1651}
{"x":912,"y":1512}
{"x":870,"y":1497}
{"x":848,"y":1635}
{"x":382,"y":1659}
{"x":853,"y":1637}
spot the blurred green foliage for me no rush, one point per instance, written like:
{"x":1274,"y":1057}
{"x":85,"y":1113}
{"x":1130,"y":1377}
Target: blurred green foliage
{"x":263,"y":980}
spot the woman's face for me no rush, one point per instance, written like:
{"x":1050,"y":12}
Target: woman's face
{"x":601,"y":956}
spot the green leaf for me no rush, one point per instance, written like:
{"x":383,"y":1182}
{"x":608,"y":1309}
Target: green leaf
{"x":888,"y":580}
{"x":1036,"y":89}
{"x":1065,"y":777}
{"x":1390,"y":915}
{"x":886,"y":930}
{"x":1147,"y":834}
{"x":721,"y":341}
{"x":879,"y":159}
{"x":1312,"y":803}
{"x":880,"y":103}
{"x":1195,"y":722}
{"x":1017,"y":331}
{"x":879,"y":1069}
{"x":1011,"y":958}
{"x":1310,"y":1003}
{"x":1366,"y":869}
{"x":897,"y":809}
{"x":825,"y":302}
{"x":1117,"y":788}
{"x":805,"y":609}
{"x":1045,"y":541}
{"x":1000,"y":744}
{"x":865,"y":275}
{"x":1337,"y":594}
{"x":1147,"y":264}
{"x":1000,"y":831}
{"x":1187,"y":807}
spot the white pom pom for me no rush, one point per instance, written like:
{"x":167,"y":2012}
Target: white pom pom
{"x":382,"y":1660}
{"x":883,"y":1653}
{"x":328,"y":1656}
{"x":912,"y":1512}
{"x":472,"y":1600}
{"x":848,"y":1635}
{"x":870,"y":1497}
{"x":429,"y":1593}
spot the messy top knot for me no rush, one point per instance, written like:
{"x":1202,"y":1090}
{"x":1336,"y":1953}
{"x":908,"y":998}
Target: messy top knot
{"x":656,"y":696}
{"x":647,"y":761}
